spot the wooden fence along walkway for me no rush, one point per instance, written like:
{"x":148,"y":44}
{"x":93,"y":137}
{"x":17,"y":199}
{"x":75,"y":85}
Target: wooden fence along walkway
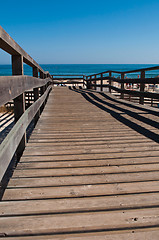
{"x":90,"y":169}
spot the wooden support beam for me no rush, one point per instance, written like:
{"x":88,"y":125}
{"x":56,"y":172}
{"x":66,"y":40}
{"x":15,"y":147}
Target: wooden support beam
{"x":122,"y":86}
{"x":101,"y":85}
{"x":95,"y":76}
{"x":42,"y":90}
{"x":41,"y":75}
{"x":88,"y":83}
{"x":36,"y":94}
{"x":142,"y":87}
{"x":110,"y":82}
{"x":35,"y":72}
{"x":19,"y":102}
{"x":83,"y":81}
{"x":17,"y":65}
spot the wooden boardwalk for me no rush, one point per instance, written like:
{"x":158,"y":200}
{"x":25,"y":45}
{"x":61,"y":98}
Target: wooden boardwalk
{"x":90,"y":171}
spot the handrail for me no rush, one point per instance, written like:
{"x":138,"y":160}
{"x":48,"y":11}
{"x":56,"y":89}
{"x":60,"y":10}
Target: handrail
{"x":68,"y":79}
{"x":128,"y":80}
{"x":14,"y":88}
{"x":69,"y":75}
{"x":8,"y":91}
{"x":125,"y":72}
{"x":11,"y":47}
{"x":11,"y":142}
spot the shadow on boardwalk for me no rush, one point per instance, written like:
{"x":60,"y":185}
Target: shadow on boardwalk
{"x":109,"y":105}
{"x":6,"y":124}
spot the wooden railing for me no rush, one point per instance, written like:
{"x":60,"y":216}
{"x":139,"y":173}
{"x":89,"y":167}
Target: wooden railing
{"x":70,"y":79}
{"x":97,"y":80}
{"x":14,"y":88}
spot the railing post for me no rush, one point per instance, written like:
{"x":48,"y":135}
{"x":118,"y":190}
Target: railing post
{"x":88,"y":83}
{"x":19,"y":102}
{"x":142,"y":87}
{"x":95,"y":76}
{"x":83,"y":81}
{"x":122,"y":86}
{"x":101,"y":86}
{"x":110,"y":82}
{"x":42,"y":90}
{"x":41,"y":75}
{"x":36,"y":93}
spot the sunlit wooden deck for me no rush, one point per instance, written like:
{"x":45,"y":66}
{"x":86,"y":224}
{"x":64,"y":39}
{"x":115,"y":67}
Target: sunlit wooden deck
{"x":90,"y":171}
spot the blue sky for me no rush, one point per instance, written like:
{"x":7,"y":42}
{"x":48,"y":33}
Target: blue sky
{"x":84,"y":31}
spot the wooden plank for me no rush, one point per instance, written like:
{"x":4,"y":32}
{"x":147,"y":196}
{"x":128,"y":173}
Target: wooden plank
{"x":13,"y":86}
{"x":83,"y":222}
{"x":81,"y":191}
{"x":57,"y":142}
{"x":100,"y":203}
{"x":42,"y":152}
{"x":89,"y":156}
{"x":79,"y":142}
{"x":53,"y":181}
{"x":106,"y":145}
{"x":85,"y":163}
{"x":135,"y":234}
{"x":47,"y":171}
{"x":57,"y":134}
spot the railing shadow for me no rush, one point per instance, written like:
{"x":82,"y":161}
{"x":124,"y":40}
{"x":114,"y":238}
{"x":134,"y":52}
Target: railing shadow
{"x":3,"y":116}
{"x":6,"y":124}
{"x":5,"y":120}
{"x":149,"y":111}
{"x":105,"y":105}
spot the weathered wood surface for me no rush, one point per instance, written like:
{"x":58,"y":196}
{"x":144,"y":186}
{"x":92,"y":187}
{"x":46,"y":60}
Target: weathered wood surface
{"x":90,"y":171}
{"x":13,"y":86}
{"x":10,"y":46}
{"x":11,"y":142}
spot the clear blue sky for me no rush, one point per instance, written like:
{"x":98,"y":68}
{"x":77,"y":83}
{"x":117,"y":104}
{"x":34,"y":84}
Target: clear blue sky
{"x":84,"y":31}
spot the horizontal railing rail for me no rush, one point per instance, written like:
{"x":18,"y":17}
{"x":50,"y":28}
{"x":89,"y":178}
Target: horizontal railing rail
{"x":13,"y":139}
{"x":126,"y":72}
{"x":75,"y":79}
{"x":12,"y":87}
{"x":29,"y":92}
{"x":10,"y":46}
{"x":68,"y":75}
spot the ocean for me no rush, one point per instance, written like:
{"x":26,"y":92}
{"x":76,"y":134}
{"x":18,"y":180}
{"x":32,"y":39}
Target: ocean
{"x":85,"y":69}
